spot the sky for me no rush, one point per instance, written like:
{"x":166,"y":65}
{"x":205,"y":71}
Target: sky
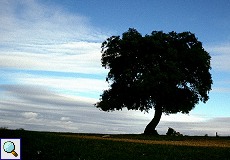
{"x":50,"y":68}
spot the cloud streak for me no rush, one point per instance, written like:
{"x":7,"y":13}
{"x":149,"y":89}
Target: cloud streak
{"x":36,"y":22}
{"x":39,"y":109}
{"x":75,"y":85}
{"x":37,"y":37}
{"x":44,"y":38}
{"x":220,"y":56}
{"x":68,"y":57}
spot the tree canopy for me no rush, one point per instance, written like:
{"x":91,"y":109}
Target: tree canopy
{"x":165,"y":71}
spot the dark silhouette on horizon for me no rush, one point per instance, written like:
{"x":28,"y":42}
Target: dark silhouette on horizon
{"x":165,"y":71}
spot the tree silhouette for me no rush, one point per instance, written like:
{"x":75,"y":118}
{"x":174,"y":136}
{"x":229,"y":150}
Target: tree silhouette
{"x":165,"y":71}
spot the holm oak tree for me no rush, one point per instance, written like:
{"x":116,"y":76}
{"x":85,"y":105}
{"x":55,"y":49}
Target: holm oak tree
{"x":165,"y":71}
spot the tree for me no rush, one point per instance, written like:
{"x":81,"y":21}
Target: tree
{"x":165,"y":71}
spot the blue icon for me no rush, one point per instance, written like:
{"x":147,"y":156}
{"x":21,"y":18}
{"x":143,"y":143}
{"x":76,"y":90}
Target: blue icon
{"x":9,"y":147}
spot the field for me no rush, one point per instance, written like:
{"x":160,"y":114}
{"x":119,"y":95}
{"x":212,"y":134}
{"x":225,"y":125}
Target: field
{"x":71,"y":146}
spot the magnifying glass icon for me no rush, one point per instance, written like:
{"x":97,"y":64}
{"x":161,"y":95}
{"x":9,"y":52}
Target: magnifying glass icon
{"x":9,"y":147}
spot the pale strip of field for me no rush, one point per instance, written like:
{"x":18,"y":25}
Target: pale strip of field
{"x":197,"y":143}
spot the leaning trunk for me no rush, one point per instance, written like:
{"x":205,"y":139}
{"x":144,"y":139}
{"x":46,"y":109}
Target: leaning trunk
{"x":151,"y":127}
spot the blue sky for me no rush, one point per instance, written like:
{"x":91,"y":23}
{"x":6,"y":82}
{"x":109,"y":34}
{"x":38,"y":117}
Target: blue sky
{"x":50,"y":70}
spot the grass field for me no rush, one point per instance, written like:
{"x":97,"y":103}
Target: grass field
{"x":70,"y":146}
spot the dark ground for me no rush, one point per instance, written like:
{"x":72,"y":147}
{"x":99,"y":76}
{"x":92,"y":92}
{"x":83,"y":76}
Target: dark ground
{"x":71,"y":146}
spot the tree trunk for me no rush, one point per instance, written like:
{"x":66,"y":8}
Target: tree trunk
{"x":151,"y":127}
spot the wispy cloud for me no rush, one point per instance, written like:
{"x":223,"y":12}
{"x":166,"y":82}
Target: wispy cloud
{"x":65,"y":118}
{"x":62,"y":84}
{"x":80,"y":57}
{"x":210,"y":126}
{"x":43,"y":38}
{"x":39,"y":37}
{"x":221,"y":89}
{"x":35,"y":108}
{"x":36,"y":22}
{"x":34,"y":95}
{"x":220,"y":56}
{"x":220,"y":67}
{"x":29,"y":115}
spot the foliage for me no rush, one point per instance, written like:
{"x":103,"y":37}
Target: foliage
{"x":170,"y":70}
{"x":3,"y":128}
{"x":20,"y":129}
{"x":172,"y":132}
